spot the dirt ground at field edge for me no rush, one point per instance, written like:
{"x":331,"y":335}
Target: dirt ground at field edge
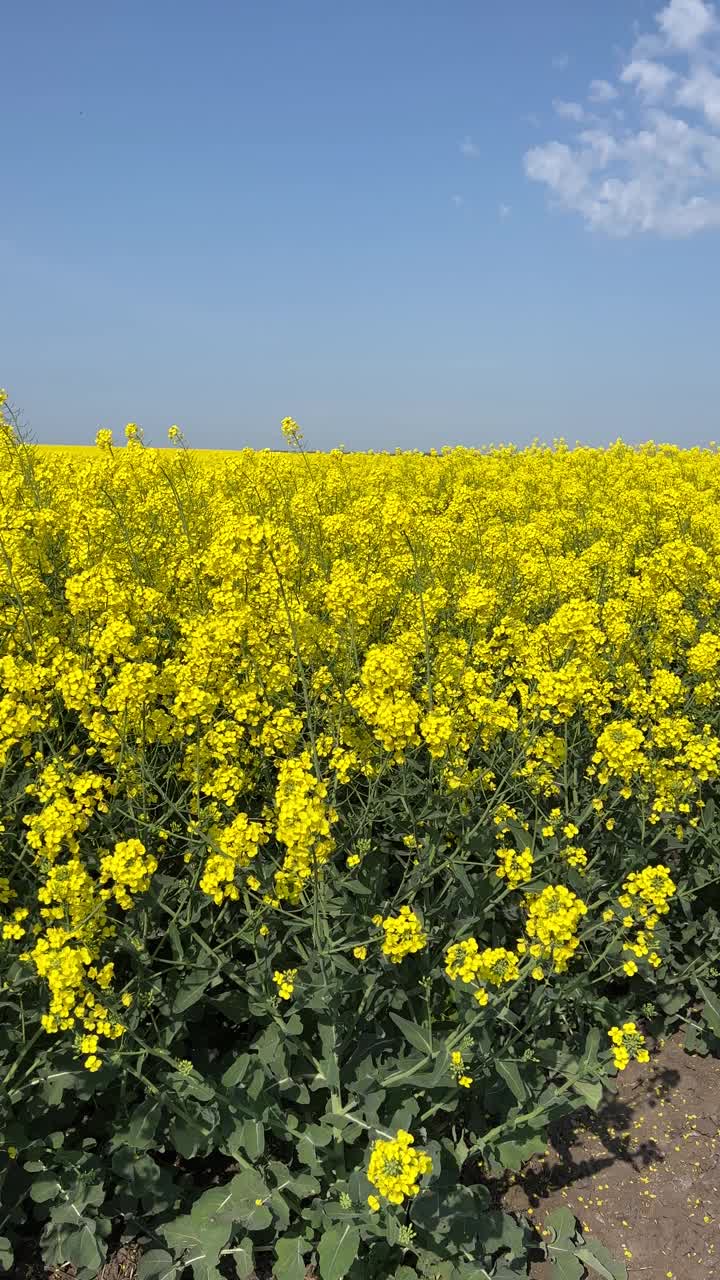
{"x":643,"y":1173}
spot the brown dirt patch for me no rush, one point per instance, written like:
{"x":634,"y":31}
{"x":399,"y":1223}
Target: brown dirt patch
{"x":643,"y":1173}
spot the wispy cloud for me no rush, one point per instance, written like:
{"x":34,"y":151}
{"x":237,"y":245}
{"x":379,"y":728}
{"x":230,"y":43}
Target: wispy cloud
{"x":469,"y":148}
{"x":602,"y":91}
{"x":560,"y":61}
{"x":457,"y":201}
{"x":652,"y":163}
{"x":504,"y":211}
{"x":568,"y":110}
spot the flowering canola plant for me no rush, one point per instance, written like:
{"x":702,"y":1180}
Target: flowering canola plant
{"x":342,"y":796}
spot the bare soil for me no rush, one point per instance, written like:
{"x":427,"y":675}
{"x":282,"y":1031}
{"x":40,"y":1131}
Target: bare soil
{"x":643,"y":1173}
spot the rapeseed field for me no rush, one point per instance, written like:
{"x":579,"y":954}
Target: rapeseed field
{"x":357,"y":823}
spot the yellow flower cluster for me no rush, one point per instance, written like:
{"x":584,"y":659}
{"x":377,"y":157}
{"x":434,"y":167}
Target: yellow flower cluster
{"x":130,"y":868}
{"x":553,"y":919}
{"x":492,"y":966}
{"x":645,"y":897}
{"x":284,"y":980}
{"x":303,"y":826}
{"x":516,"y":866}
{"x":395,"y":1168}
{"x":237,"y":845}
{"x":627,"y":1043}
{"x":404,"y":935}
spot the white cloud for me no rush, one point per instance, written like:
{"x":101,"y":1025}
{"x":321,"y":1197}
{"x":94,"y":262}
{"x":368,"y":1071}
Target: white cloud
{"x":651,"y":165}
{"x":568,"y":110}
{"x":560,"y":61}
{"x":701,"y":91}
{"x":651,"y":79}
{"x":504,"y":210}
{"x":685,"y":22}
{"x":602,"y":91}
{"x":457,"y":201}
{"x":469,"y":148}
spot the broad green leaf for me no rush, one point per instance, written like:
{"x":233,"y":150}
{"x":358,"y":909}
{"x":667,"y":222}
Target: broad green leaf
{"x":513,"y":1153}
{"x":511,"y":1075}
{"x":595,"y":1255}
{"x":567,"y":1265}
{"x":711,"y":1008}
{"x":290,"y":1258}
{"x":563,"y":1224}
{"x":252,"y":1138}
{"x":416,"y":1036}
{"x":44,"y":1189}
{"x":143,"y":1125}
{"x":83,"y":1249}
{"x":591,"y":1091}
{"x":157,"y":1265}
{"x":6,"y":1254}
{"x":501,"y":1231}
{"x":236,"y":1071}
{"x":338,"y":1250}
{"x":242,"y":1256}
{"x":204,"y":1239}
{"x":191,"y":989}
{"x":694,"y":1041}
{"x":187,"y":1136}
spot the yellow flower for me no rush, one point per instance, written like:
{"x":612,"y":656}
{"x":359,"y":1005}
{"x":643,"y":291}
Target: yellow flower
{"x":374,"y":1203}
{"x":395,"y":1167}
{"x":284,"y":980}
{"x":404,"y":935}
{"x":360,"y":953}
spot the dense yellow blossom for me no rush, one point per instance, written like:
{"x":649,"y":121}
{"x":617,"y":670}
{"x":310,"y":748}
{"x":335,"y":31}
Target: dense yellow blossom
{"x":553,"y":920}
{"x":396,"y":1167}
{"x":404,"y":935}
{"x":283,"y":631}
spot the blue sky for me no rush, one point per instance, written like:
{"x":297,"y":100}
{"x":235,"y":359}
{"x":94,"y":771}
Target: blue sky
{"x":404,"y":223}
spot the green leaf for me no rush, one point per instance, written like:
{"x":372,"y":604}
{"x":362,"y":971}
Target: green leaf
{"x":187,"y":1137}
{"x":156,"y":1265}
{"x":416,"y":1036}
{"x":338,"y":1250}
{"x":511,"y":1075}
{"x":513,"y":1153}
{"x":252,"y":1138}
{"x":595,"y":1255}
{"x":142,"y":1128}
{"x":6,"y":1254}
{"x":567,"y":1265}
{"x":591,"y":1091}
{"x":82,"y":1249}
{"x":236,"y":1071}
{"x":290,"y":1258}
{"x":563,"y":1225}
{"x":242,"y":1256}
{"x":44,"y":1189}
{"x":191,"y":989}
{"x":329,"y":1069}
{"x":711,"y":1008}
